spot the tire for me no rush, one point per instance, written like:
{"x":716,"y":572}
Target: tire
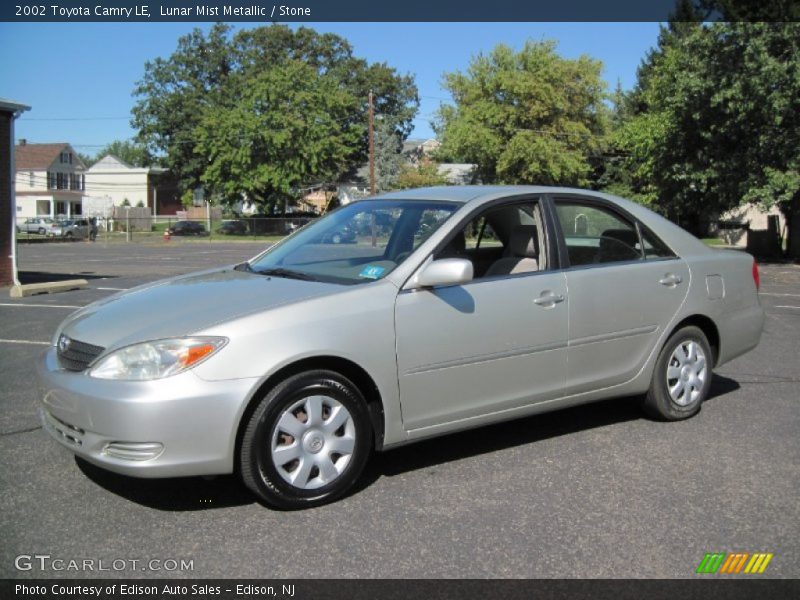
{"x":308,"y":471}
{"x":41,"y":231}
{"x":69,"y":235}
{"x":682,"y":376}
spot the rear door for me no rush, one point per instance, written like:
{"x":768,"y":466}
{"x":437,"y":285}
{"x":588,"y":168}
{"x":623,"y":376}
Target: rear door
{"x":624,"y":285}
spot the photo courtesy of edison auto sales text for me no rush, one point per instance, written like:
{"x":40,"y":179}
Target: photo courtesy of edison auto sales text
{"x":169,"y":589}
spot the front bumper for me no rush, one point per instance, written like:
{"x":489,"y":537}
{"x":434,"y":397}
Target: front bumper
{"x":172,"y":427}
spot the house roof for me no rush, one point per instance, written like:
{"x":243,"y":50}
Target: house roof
{"x":109,"y":161}
{"x":12,"y":106}
{"x":457,"y":172}
{"x":413,"y":144}
{"x":31,"y":157}
{"x":113,"y":164}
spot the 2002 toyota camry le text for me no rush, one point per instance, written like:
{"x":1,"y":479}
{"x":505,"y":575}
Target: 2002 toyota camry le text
{"x":451,"y":308}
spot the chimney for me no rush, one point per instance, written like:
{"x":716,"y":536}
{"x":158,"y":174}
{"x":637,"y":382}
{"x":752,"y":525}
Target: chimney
{"x":23,"y":142}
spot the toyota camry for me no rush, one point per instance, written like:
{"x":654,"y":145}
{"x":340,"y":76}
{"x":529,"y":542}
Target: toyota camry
{"x":451,"y":308}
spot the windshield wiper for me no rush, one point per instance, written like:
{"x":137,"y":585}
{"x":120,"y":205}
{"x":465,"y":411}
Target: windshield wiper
{"x":287,"y":273}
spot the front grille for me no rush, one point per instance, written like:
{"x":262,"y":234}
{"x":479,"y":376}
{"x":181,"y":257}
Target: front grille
{"x":74,"y":355}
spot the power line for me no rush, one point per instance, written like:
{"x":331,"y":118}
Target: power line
{"x":74,"y":118}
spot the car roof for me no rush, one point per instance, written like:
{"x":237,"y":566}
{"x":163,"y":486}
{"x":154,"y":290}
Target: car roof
{"x":467,"y":193}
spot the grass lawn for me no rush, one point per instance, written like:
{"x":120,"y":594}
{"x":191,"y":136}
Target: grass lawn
{"x":713,"y":242}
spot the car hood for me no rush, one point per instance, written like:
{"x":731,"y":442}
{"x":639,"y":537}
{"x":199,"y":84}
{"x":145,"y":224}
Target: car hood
{"x":185,"y":305}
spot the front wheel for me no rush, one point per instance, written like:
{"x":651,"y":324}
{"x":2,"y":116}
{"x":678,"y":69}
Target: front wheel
{"x":307,"y":441}
{"x":682,"y":376}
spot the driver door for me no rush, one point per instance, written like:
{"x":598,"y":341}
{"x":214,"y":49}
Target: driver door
{"x":495,"y":344}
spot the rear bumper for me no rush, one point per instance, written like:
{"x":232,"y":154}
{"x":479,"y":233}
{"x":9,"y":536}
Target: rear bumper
{"x":177,"y":426}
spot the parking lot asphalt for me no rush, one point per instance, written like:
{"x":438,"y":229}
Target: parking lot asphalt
{"x":592,"y":491}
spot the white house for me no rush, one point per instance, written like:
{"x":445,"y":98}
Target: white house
{"x":115,"y":181}
{"x":49,"y":181}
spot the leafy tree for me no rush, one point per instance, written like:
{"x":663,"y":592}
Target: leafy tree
{"x":131,"y":152}
{"x":717,"y":120}
{"x":291,"y":125}
{"x":217,"y":72}
{"x":525,"y":117}
{"x":424,"y":174}
{"x":86,"y":159}
{"x":388,"y":154}
{"x":174,"y":94}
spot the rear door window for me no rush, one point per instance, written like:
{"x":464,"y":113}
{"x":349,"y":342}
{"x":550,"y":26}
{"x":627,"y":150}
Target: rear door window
{"x":596,"y":235}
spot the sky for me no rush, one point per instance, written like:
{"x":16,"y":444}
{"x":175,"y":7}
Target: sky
{"x":78,"y":77}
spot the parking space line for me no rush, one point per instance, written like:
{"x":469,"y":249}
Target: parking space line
{"x":775,"y":294}
{"x":112,"y":289}
{"x":785,"y":306}
{"x":40,"y":305}
{"x":35,"y":343}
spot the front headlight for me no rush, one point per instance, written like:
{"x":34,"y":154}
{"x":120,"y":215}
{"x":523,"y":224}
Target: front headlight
{"x":157,"y":359}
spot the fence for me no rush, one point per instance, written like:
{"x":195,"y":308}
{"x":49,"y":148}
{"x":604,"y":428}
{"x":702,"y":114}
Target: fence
{"x":131,"y":226}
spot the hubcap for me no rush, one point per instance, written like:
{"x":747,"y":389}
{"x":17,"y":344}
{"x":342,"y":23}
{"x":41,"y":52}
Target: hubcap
{"x":686,"y":373}
{"x":313,"y":442}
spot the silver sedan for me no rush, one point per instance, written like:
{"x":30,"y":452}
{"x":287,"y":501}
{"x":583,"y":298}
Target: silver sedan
{"x":452,"y":308}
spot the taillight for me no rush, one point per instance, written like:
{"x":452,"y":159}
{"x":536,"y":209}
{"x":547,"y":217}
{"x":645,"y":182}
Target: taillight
{"x":756,"y":276}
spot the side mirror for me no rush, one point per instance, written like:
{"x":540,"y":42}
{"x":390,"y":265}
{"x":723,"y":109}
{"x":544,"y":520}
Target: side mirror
{"x":445,"y":271}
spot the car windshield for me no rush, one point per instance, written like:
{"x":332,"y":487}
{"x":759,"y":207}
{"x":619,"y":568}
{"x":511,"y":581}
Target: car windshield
{"x":357,"y":243}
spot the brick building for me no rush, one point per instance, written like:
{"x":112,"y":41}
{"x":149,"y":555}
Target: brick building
{"x":9,"y":111}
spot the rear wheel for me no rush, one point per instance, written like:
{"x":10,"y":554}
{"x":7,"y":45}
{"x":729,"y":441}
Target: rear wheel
{"x":307,"y":441}
{"x":682,"y":376}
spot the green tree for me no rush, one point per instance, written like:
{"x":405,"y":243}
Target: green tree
{"x":133,"y":153}
{"x":216,"y":73}
{"x":717,"y":120}
{"x":388,"y":154}
{"x":174,"y":94}
{"x":525,"y":117}
{"x":290,"y":126}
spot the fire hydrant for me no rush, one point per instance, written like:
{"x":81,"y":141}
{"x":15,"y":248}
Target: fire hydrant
{"x":166,"y":235}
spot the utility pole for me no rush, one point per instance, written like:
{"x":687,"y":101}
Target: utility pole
{"x":371,"y":146}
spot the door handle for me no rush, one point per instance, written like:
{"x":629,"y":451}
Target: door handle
{"x":670,"y":280}
{"x":548,"y":299}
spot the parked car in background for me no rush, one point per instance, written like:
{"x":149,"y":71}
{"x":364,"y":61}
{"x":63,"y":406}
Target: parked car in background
{"x":233,"y":228}
{"x":343,"y":235}
{"x":187,"y":228}
{"x":35,"y":225}
{"x":474,"y":305}
{"x":70,"y":228}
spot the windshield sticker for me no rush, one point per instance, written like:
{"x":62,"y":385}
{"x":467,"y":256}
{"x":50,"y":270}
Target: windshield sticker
{"x":371,"y":272}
